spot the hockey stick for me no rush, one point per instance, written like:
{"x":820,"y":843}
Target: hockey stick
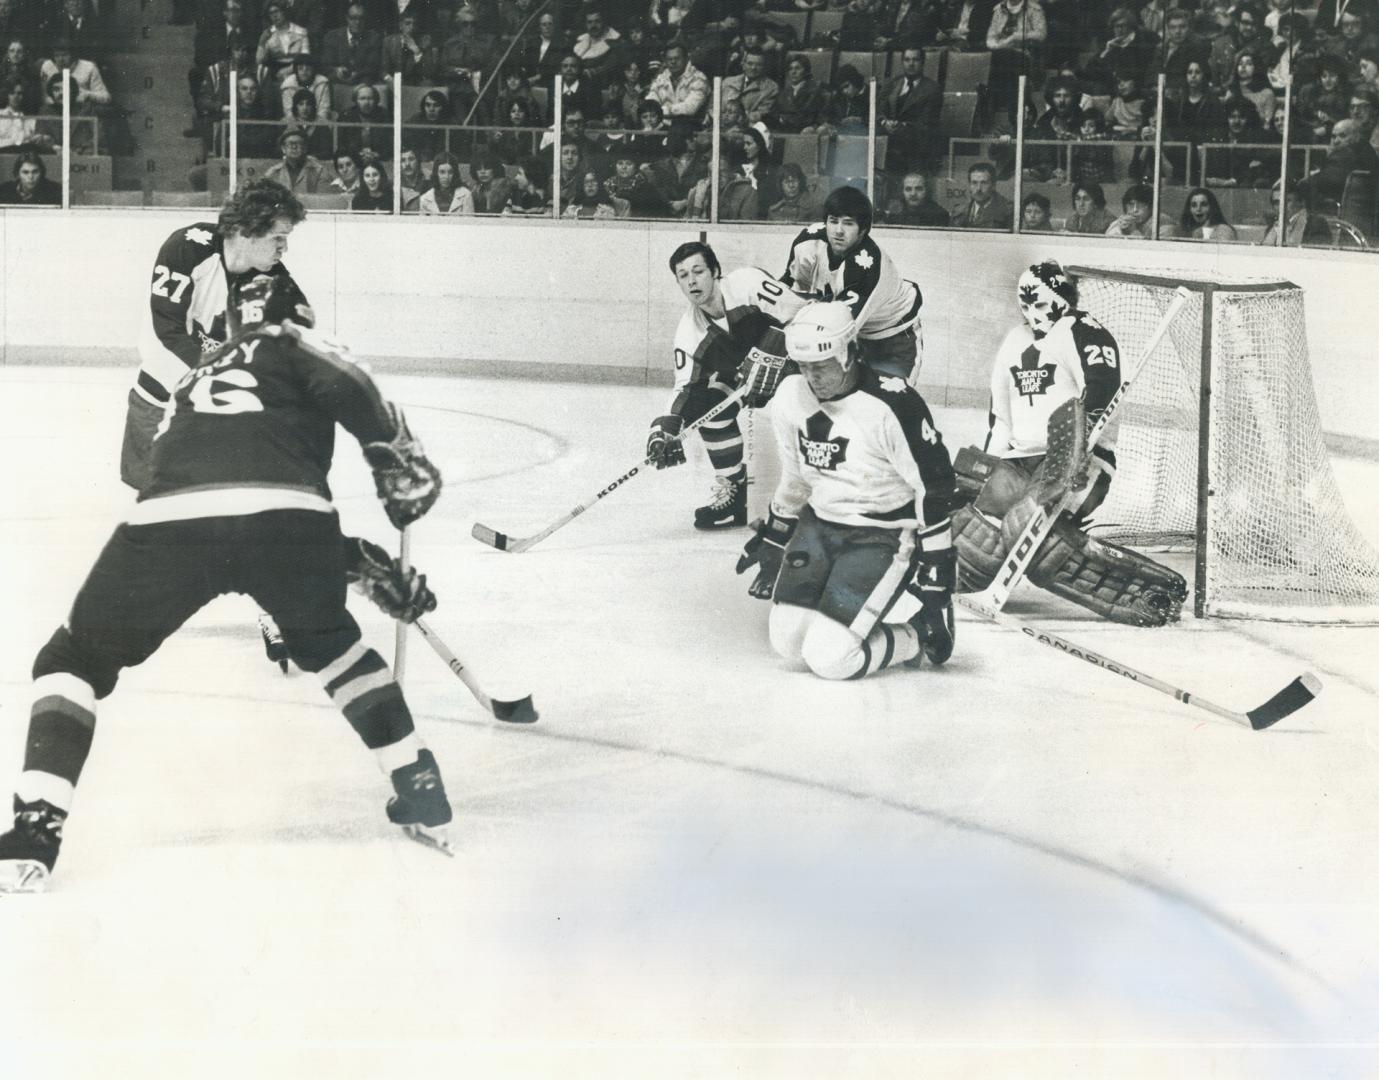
{"x":515,"y":544}
{"x":404,"y":560}
{"x":521,"y":711}
{"x":1284,"y":703}
{"x":1027,"y":544}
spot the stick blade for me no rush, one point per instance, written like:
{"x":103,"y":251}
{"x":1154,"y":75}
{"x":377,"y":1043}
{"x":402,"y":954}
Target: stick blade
{"x":491,"y":537}
{"x":1286,"y":702}
{"x":516,"y":712}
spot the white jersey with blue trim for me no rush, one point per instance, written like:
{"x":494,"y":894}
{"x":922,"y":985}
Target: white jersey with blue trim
{"x":1032,"y":377}
{"x":883,"y":303}
{"x":753,"y":302}
{"x":872,"y":457}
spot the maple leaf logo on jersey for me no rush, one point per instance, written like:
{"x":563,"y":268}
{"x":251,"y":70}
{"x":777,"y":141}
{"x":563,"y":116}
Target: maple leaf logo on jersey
{"x":817,"y":449}
{"x":863,"y":259}
{"x":198,"y":236}
{"x":1031,"y":377}
{"x":892,"y":384}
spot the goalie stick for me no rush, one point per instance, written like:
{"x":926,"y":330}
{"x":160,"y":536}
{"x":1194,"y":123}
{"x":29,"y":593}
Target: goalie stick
{"x":1284,"y":703}
{"x":521,"y":711}
{"x":1027,"y":544}
{"x":516,"y":544}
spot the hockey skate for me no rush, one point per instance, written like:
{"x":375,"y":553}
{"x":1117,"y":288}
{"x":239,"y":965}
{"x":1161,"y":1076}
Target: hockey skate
{"x":727,"y":505}
{"x":420,"y":805}
{"x":273,"y":643}
{"x":29,"y":850}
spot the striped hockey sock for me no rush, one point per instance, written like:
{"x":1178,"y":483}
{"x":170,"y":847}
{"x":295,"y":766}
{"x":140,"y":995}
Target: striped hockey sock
{"x":62,"y":723}
{"x":363,"y":688}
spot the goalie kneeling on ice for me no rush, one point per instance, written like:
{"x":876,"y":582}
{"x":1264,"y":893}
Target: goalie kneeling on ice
{"x":1115,"y":582}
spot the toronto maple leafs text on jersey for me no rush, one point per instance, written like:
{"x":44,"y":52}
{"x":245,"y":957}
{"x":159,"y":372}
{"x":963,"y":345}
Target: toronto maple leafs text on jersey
{"x":870,"y":457}
{"x":252,"y":428}
{"x":882,"y":302}
{"x":186,"y":311}
{"x":1032,"y":377}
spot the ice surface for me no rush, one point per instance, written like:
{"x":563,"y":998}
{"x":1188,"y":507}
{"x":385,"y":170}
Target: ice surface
{"x":699,"y":863}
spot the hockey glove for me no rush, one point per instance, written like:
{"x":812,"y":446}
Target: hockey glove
{"x":933,"y":585}
{"x":403,"y":594}
{"x":766,"y":549}
{"x":663,"y":446}
{"x":761,"y":372}
{"x":407,"y":483}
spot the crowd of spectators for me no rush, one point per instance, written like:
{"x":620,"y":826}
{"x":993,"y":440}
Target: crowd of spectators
{"x":39,"y":39}
{"x":314,"y":83}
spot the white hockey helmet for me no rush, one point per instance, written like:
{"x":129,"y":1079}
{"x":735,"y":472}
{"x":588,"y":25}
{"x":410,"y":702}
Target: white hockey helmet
{"x":823,"y":330}
{"x":1046,"y":294}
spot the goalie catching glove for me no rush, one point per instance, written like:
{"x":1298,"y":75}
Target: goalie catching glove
{"x":932,"y":586}
{"x":406,"y":482}
{"x":766,"y":549}
{"x":663,"y":446}
{"x":402,"y":594}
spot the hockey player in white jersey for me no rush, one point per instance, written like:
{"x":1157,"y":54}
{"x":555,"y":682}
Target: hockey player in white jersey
{"x":731,"y":332}
{"x":1058,"y":358}
{"x":837,"y":259}
{"x":861,"y":514}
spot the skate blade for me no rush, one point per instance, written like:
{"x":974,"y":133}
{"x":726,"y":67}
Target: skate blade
{"x":23,"y":876}
{"x":437,"y":838}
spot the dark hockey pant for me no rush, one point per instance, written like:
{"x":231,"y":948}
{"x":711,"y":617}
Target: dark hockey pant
{"x":150,"y":579}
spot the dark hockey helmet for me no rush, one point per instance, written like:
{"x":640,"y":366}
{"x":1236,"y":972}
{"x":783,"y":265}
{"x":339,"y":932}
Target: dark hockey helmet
{"x":262,"y":300}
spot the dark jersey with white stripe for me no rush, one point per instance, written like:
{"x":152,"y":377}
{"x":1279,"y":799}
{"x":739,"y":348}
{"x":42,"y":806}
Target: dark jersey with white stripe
{"x":252,"y":427}
{"x":186,"y":311}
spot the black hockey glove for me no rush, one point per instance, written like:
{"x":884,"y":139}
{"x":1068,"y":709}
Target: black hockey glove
{"x":762,"y":369}
{"x":403,"y":594}
{"x":663,"y":446}
{"x":766,"y":550}
{"x":933,"y":586}
{"x":406,"y":482}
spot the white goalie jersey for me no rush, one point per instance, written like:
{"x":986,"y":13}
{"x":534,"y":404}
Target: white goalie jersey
{"x":1032,"y":377}
{"x":872,"y":457}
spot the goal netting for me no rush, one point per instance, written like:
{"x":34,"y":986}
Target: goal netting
{"x":1220,"y":450}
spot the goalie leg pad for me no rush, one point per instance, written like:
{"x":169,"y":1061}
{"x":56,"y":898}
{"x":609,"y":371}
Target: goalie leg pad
{"x":980,"y":551}
{"x":1115,"y":582}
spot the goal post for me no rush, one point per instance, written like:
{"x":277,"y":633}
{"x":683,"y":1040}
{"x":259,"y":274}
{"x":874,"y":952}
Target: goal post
{"x":1220,"y":450}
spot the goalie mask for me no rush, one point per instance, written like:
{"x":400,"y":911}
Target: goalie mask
{"x":1046,"y":294}
{"x":262,"y":300}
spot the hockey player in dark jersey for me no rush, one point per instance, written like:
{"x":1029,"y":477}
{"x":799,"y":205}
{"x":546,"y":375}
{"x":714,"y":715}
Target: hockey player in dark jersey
{"x":1059,"y":356}
{"x":237,"y":501}
{"x":186,"y":315}
{"x":861,"y":515}
{"x":187,"y":295}
{"x":837,"y":259}
{"x":731,"y":332}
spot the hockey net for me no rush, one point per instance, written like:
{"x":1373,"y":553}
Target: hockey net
{"x":1262,"y":511}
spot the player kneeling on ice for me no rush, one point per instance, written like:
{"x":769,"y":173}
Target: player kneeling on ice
{"x":1052,"y":379}
{"x":860,"y":517}
{"x":237,"y":501}
{"x":730,"y":336}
